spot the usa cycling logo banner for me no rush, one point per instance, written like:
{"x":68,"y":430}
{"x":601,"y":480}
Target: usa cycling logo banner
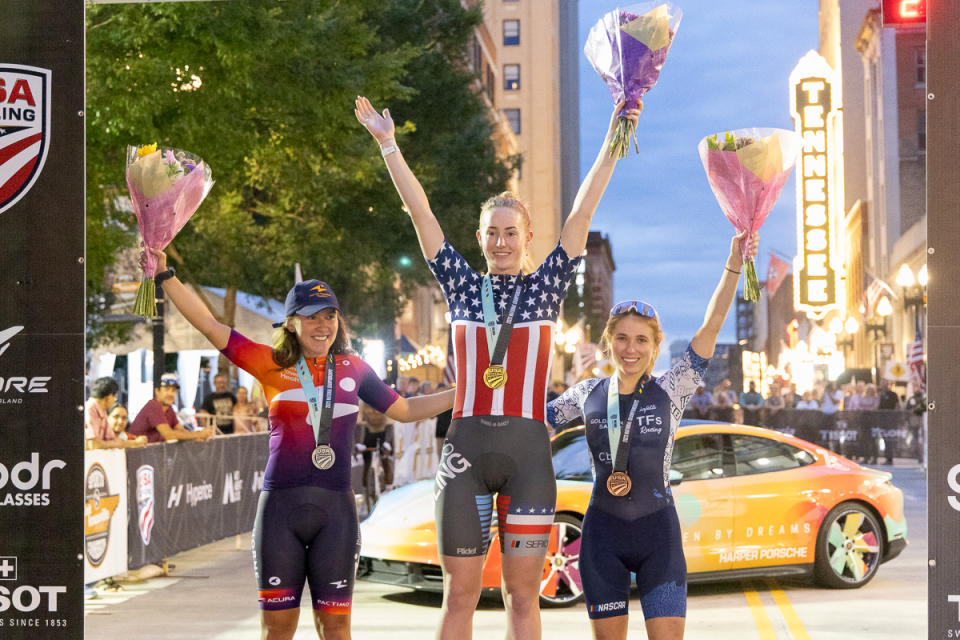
{"x":24,"y":129}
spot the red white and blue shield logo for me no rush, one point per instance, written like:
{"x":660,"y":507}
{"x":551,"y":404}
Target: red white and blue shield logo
{"x":24,"y":129}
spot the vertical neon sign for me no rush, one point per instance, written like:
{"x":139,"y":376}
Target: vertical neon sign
{"x":816,"y":267}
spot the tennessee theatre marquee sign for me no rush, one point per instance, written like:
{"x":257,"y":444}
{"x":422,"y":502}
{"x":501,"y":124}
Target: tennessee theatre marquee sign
{"x":814,"y":104}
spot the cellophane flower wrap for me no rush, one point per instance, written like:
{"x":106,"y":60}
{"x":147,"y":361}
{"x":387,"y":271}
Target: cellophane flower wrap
{"x":747,"y":169}
{"x":628,"y":47}
{"x":166,"y":186}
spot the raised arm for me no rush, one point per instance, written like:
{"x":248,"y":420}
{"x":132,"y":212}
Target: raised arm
{"x":192,"y":307}
{"x":573,"y":236}
{"x":421,"y":407}
{"x":411,"y":192}
{"x":705,"y":339}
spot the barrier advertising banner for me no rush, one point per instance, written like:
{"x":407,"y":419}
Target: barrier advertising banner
{"x":186,"y":494}
{"x":104,"y":515}
{"x":41,"y":319}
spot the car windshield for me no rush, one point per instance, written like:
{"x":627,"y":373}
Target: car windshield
{"x":571,"y":460}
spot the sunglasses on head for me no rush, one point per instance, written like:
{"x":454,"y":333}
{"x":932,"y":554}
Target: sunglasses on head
{"x":637,"y":306}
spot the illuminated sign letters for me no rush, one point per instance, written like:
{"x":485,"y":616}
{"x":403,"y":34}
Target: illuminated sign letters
{"x":819,"y":203}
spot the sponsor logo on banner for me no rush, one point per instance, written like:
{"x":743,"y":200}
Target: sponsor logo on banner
{"x":14,"y":388}
{"x":195,"y":494}
{"x":98,"y":510}
{"x":232,"y":488}
{"x":146,"y":504}
{"x":953,"y":479}
{"x":24,"y":129}
{"x":25,"y":598}
{"x":19,"y":483}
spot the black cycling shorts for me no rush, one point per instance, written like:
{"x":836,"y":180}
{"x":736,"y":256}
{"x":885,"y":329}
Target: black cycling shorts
{"x":306,"y":534}
{"x":487,"y":455}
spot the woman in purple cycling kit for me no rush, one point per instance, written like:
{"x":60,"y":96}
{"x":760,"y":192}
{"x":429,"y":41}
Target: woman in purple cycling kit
{"x":306,"y":528}
{"x":631,"y":523}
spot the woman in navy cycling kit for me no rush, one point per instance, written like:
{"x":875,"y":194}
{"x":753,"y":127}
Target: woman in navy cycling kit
{"x":631,"y":523}
{"x":502,"y":324}
{"x":306,"y":527}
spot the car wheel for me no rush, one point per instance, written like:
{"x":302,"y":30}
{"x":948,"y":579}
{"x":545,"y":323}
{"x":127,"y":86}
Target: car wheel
{"x":849,"y":547}
{"x":561,"y":585}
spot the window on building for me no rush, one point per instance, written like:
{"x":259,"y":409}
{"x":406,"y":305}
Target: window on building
{"x":920,"y":67}
{"x":511,"y":77}
{"x":511,"y":32}
{"x":922,"y":129}
{"x":513,"y":117}
{"x":476,"y":57}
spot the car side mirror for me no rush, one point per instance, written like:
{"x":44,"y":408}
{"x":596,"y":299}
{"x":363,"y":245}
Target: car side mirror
{"x":676,"y":477}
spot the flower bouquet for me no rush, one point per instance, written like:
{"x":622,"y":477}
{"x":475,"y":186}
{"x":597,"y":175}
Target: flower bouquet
{"x":166,"y":187}
{"x":747,"y":169}
{"x":628,"y":47}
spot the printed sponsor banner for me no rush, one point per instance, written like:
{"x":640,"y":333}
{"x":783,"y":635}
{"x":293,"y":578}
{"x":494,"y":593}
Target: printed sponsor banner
{"x":187,"y":494}
{"x":104,"y":515}
{"x":42,"y":226}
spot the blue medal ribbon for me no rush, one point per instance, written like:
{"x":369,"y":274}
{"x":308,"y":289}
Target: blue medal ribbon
{"x":321,"y":410}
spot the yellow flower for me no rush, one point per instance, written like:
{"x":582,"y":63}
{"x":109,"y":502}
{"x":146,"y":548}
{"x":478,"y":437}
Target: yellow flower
{"x":146,"y":150}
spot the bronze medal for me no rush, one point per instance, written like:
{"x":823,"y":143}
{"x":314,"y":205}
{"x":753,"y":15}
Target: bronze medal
{"x":323,"y":457}
{"x":619,"y":484}
{"x":495,"y":376}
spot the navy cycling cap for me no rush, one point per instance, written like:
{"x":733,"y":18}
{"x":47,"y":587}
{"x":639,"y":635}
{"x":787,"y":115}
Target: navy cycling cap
{"x":308,"y":297}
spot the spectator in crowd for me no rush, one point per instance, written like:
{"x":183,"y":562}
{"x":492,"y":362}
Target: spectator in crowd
{"x":888,"y":397}
{"x":220,"y":404}
{"x":723,"y":400}
{"x":244,"y":413}
{"x":443,"y":423}
{"x":377,"y":436}
{"x":555,"y":390}
{"x":832,"y":400}
{"x":96,"y":418}
{"x":774,"y":401}
{"x":790,"y":398}
{"x":700,"y":403}
{"x":751,"y":402}
{"x":158,"y":421}
{"x":852,"y":403}
{"x":808,"y":402}
{"x":413,"y":386}
{"x":917,"y":403}
{"x":425,"y":388}
{"x":870,"y":400}
{"x":118,"y":419}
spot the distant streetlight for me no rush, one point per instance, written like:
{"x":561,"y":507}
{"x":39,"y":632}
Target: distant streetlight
{"x":914,"y":291}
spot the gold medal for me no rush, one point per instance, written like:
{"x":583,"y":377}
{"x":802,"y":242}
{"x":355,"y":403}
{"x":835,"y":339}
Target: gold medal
{"x":619,"y":483}
{"x":495,"y":376}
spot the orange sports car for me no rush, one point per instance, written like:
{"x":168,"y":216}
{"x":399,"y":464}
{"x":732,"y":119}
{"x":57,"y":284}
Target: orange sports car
{"x":751,"y":502}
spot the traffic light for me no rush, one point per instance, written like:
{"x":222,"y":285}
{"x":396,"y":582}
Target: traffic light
{"x":904,"y":13}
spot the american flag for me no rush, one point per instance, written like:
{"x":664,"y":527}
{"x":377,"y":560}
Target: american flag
{"x":873,"y":293}
{"x":918,"y":373}
{"x":450,"y":371}
{"x":530,"y":350}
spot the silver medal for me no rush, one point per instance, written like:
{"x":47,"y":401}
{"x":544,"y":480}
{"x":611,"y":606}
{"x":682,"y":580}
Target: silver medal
{"x":323,"y":457}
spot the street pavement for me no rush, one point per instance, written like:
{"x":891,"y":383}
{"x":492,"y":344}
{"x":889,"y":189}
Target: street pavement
{"x":210,"y":594}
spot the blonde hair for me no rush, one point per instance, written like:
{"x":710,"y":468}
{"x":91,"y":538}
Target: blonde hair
{"x":606,"y":339}
{"x":287,"y":349}
{"x":510,"y":200}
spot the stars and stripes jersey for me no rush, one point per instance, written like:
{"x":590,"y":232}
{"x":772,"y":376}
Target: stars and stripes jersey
{"x":655,"y":423}
{"x":530,"y":350}
{"x":291,"y":437}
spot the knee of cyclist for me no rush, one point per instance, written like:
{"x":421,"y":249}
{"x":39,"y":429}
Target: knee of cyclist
{"x":463,"y":596}
{"x":328,"y":625}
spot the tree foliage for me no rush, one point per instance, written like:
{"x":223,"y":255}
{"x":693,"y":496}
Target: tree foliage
{"x":263,"y":91}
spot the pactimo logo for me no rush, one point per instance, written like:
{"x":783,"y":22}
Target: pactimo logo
{"x":25,"y":476}
{"x":12,"y":388}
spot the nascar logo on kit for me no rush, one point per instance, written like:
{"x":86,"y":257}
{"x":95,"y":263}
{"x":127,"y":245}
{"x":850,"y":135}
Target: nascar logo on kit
{"x":24,"y":129}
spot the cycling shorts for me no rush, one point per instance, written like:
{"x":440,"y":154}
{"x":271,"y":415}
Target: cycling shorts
{"x":306,"y":534}
{"x":503,"y":455}
{"x":650,"y":546}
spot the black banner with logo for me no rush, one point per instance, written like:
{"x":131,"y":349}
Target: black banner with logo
{"x":41,"y":319}
{"x":187,"y":494}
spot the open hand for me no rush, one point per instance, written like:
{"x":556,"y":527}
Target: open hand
{"x":379,"y":125}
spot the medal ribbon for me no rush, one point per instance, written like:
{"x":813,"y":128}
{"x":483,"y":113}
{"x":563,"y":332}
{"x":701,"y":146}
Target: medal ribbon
{"x":620,"y":444}
{"x":321,"y":410}
{"x":497,"y":339}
